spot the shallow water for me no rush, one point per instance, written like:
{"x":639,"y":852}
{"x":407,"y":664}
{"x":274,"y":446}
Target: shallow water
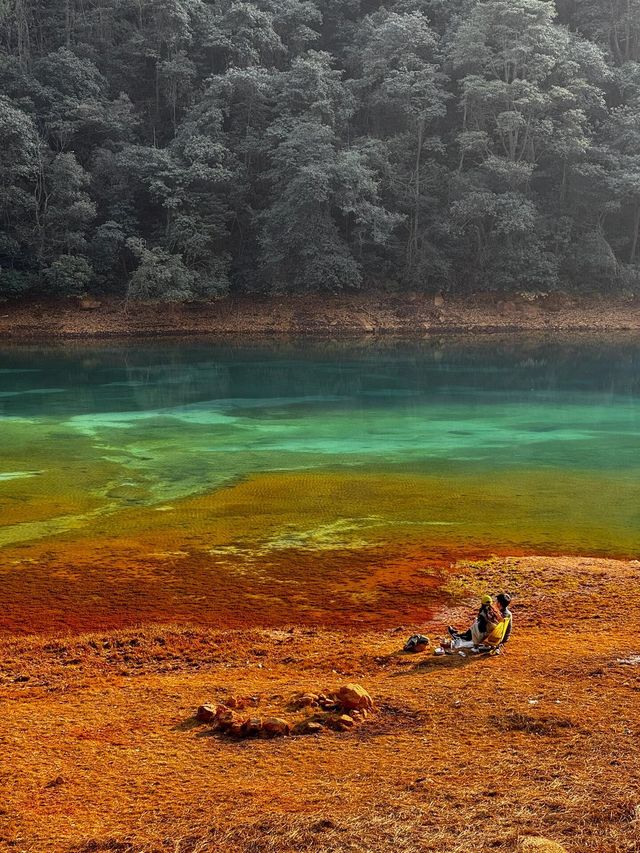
{"x":272,"y":479}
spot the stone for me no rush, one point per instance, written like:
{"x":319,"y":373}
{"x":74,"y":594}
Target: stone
{"x":309,"y":727}
{"x":530,"y":310}
{"x":252,"y":726}
{"x":557,"y":300}
{"x":344,"y":722}
{"x":438,"y":300}
{"x":87,"y":303}
{"x":340,"y":722}
{"x":227,"y":719}
{"x":308,"y":700}
{"x":352,"y":696}
{"x":537,"y":844}
{"x":276,"y":727}
{"x":206,"y":713}
{"x":236,"y":729}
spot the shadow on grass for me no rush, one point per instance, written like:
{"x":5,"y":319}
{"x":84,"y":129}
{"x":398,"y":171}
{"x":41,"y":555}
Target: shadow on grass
{"x":207,"y":730}
{"x":436,"y":663}
{"x":188,"y":725}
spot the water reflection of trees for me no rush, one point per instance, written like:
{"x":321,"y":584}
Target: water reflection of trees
{"x":164,"y":376}
{"x":176,"y":384}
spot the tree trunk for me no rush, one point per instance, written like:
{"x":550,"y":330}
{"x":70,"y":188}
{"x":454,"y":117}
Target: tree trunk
{"x":464,"y":127}
{"x":412,"y":248}
{"x":157,"y":88}
{"x":246,"y":131}
{"x":67,"y":22}
{"x":636,"y":230}
{"x":627,"y":46}
{"x":41,"y":205}
{"x":416,"y":212}
{"x":22,"y":32}
{"x":613,"y":37}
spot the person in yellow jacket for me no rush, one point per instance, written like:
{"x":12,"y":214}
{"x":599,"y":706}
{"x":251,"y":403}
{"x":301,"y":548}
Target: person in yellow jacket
{"x":486,"y":625}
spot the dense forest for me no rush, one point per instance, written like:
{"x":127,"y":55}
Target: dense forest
{"x":182,"y":149}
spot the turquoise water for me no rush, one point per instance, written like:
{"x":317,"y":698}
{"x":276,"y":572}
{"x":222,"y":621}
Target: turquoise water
{"x":527,"y":446}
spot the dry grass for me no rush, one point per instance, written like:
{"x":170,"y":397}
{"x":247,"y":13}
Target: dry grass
{"x":101,"y":754}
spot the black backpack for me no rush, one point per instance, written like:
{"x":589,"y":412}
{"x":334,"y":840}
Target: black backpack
{"x":415,"y":643}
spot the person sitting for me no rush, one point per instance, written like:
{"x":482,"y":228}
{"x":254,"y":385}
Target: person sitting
{"x":499,"y":634}
{"x":485,"y":624}
{"x":504,"y":600}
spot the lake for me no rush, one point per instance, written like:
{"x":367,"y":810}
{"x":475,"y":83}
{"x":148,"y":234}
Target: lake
{"x":314,"y":482}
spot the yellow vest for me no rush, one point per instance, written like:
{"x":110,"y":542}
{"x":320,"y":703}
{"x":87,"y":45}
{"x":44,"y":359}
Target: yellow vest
{"x":496,"y":636}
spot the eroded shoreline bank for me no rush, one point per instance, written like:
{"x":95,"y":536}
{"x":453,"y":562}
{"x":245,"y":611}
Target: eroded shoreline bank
{"x":350,"y":316}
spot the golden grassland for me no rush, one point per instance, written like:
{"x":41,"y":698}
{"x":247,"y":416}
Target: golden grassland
{"x":100,"y":750}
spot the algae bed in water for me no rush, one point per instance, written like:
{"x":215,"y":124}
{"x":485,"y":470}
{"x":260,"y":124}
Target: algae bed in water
{"x":280,"y":467}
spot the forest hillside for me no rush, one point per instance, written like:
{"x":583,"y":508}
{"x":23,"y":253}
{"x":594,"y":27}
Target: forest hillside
{"x":183,"y":149}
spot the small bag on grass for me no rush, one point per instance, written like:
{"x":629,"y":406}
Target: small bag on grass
{"x":416,"y":643}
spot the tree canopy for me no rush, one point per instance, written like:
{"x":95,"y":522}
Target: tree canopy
{"x":182,"y":149}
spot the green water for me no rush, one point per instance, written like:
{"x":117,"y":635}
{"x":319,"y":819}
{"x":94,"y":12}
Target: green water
{"x":520,"y":445}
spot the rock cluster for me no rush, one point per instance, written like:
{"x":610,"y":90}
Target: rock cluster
{"x":343,"y":709}
{"x":340,"y":711}
{"x":228,"y":720}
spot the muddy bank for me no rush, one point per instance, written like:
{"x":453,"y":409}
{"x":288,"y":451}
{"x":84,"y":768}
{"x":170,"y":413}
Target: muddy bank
{"x":324,"y":316}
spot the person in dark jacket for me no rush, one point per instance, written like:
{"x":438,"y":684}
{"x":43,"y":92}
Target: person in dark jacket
{"x":504,"y":600}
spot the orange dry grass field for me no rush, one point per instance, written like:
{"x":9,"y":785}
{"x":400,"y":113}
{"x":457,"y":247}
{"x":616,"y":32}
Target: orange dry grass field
{"x":100,"y":750}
